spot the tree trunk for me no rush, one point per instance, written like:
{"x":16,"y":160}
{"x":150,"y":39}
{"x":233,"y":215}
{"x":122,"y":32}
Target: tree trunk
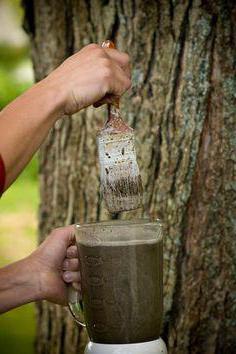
{"x":182,"y":105}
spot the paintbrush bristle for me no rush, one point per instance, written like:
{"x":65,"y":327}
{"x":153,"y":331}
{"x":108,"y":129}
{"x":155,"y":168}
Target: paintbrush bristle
{"x":124,"y":195}
{"x":121,"y":184}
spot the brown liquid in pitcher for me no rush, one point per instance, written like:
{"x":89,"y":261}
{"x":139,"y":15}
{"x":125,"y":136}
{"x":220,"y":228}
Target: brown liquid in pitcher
{"x":122,"y":291}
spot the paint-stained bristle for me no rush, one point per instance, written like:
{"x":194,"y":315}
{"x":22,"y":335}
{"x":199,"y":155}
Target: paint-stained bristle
{"x":125,"y":194}
{"x":121,"y":183}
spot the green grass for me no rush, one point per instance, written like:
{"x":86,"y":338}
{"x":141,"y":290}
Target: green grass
{"x":18,"y":327}
{"x":17,"y":331}
{"x":11,"y":56}
{"x":9,"y":87}
{"x":23,"y":194}
{"x":18,"y":208}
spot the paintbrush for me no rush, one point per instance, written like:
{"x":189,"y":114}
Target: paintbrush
{"x":121,"y":184}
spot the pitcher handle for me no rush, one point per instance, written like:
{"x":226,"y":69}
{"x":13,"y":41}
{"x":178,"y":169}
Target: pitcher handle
{"x":75,"y":305}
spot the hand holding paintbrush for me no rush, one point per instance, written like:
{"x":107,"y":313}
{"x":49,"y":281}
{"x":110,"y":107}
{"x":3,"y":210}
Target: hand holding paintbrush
{"x":121,"y":184}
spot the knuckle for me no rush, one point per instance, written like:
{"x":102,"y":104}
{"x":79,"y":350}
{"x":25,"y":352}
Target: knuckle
{"x":106,"y":77}
{"x":128,"y":84}
{"x":93,"y":46}
{"x":106,"y":62}
{"x":107,"y":72}
{"x":55,"y":231}
{"x":126,"y":58}
{"x":99,"y":52}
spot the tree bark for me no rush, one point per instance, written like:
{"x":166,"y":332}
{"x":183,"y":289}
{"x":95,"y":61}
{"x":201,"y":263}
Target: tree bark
{"x":182,"y":105}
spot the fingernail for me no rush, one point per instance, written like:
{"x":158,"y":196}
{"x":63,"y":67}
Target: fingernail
{"x":67,"y":276}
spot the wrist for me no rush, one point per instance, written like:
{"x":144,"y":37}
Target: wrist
{"x":29,"y":279}
{"x":18,"y":285}
{"x":56,"y":92}
{"x":41,"y":277}
{"x":42,"y":104}
{"x":51,"y":98}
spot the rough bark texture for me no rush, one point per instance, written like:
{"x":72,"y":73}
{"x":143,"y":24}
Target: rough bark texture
{"x":182,"y":105}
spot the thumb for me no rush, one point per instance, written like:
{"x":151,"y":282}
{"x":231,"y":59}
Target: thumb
{"x":67,"y":234}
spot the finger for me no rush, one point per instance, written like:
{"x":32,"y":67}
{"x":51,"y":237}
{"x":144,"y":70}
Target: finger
{"x":70,"y":277}
{"x":121,"y":82}
{"x":71,"y":264}
{"x":121,"y":58}
{"x":72,"y":252}
{"x":123,"y":62}
{"x":67,"y":234}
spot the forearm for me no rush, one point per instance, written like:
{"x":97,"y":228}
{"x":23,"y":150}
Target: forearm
{"x":83,"y":79}
{"x":24,"y":124}
{"x":18,"y":285}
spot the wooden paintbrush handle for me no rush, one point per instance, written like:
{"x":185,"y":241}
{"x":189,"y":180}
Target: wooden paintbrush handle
{"x":108,"y":44}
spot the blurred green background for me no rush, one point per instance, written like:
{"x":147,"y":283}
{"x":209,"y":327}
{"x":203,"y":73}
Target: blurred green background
{"x":18,"y":206}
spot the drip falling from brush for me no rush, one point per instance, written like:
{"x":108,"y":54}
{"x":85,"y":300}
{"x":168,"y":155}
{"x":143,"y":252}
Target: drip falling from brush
{"x":121,"y":184}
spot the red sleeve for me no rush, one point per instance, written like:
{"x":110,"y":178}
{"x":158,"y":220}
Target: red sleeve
{"x":2,"y":175}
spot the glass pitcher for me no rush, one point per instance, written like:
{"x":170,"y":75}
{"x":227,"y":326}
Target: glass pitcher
{"x":121,"y":276}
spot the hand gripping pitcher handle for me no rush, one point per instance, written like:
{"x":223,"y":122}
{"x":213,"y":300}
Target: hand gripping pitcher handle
{"x":75,"y":303}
